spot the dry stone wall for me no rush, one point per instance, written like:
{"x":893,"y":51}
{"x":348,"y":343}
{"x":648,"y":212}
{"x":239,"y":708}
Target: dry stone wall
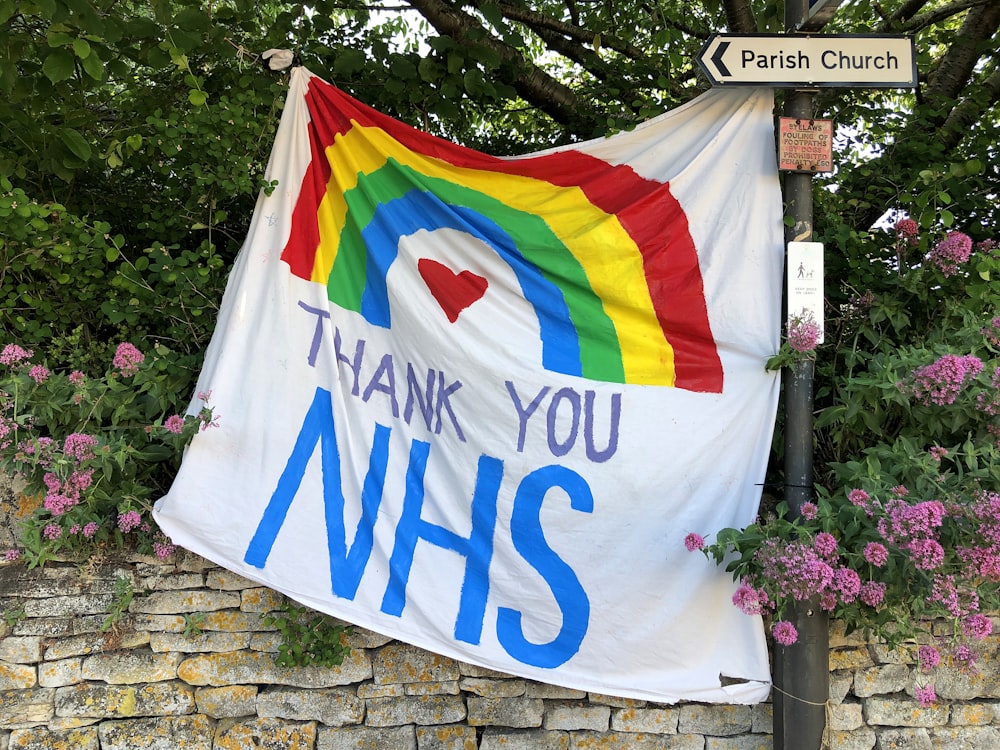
{"x":191,"y":665}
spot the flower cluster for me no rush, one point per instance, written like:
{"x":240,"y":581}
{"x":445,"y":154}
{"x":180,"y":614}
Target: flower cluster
{"x":871,"y":558}
{"x":942,"y":381}
{"x":803,"y":333}
{"x":951,"y":252}
{"x":86,"y":451}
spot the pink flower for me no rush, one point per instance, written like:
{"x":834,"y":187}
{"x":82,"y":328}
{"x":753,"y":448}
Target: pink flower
{"x":926,"y":554}
{"x":174,"y":424}
{"x":977,"y":626}
{"x":39,"y":373}
{"x":79,"y":445}
{"x":90,"y":529}
{"x":937,"y":452}
{"x":951,"y":252}
{"x":940,"y":382}
{"x":803,"y":334}
{"x":12,"y":354}
{"x":11,"y":555}
{"x":163,"y":550}
{"x":128,"y":521}
{"x":127,"y":359}
{"x":925,"y":695}
{"x":749,"y":600}
{"x":872,"y":593}
{"x":808,"y":511}
{"x":928,"y":657}
{"x":907,"y":229}
{"x":826,"y":544}
{"x":52,"y":531}
{"x":694,"y":542}
{"x":861,"y":499}
{"x":76,"y":377}
{"x":848,"y":583}
{"x":876,"y":554}
{"x":784,"y":633}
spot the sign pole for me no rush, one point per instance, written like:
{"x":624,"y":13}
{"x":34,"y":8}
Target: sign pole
{"x":802,"y":670}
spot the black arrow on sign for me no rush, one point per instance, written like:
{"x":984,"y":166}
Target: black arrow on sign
{"x":717,"y":58}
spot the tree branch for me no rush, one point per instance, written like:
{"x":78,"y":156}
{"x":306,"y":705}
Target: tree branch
{"x":538,"y":21}
{"x":531,"y":83}
{"x":739,"y":16}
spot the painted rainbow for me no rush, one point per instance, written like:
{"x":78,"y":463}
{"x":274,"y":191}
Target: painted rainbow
{"x":603,"y":256}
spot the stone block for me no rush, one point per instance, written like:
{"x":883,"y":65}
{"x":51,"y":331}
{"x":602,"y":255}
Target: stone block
{"x":717,"y":720}
{"x":966,"y":738}
{"x":260,"y":599}
{"x":20,"y":709}
{"x":493,"y":688}
{"x":506,"y":712}
{"x":358,"y":637}
{"x":43,"y":738}
{"x":206,"y":642}
{"x":972,"y":714}
{"x":762,"y":718}
{"x":17,"y":676}
{"x":60,"y":673}
{"x":47,"y":627}
{"x":232,"y":621}
{"x":367,"y":738}
{"x":226,"y":580}
{"x":850,"y":658}
{"x":577,"y":716}
{"x":955,"y":684}
{"x":615,"y":701}
{"x":859,"y":739}
{"x":425,"y":710}
{"x":845,"y":716}
{"x":524,"y":739}
{"x":449,"y":687}
{"x":232,"y":701}
{"x":21,"y":649}
{"x":248,"y":667}
{"x":882,"y":680}
{"x":97,"y":700}
{"x":266,"y":734}
{"x":168,"y":733}
{"x":131,"y":667}
{"x":69,"y":606}
{"x":903,"y":712}
{"x":94,"y":643}
{"x":266,"y":642}
{"x":904,"y":739}
{"x":402,"y":663}
{"x":371,"y":690}
{"x":181,"y":602}
{"x":472,"y":670}
{"x":555,"y":692}
{"x":741,"y":742}
{"x":841,"y":684}
{"x":158,"y":623}
{"x":171,"y":581}
{"x":332,"y":707}
{"x":451,"y":737}
{"x":635,"y":741}
{"x":646,"y":720}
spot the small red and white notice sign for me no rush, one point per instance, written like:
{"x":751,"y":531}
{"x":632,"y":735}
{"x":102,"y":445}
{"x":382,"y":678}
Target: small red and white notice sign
{"x":805,"y":145}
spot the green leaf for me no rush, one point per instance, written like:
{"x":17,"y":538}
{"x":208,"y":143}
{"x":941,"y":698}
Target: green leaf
{"x":93,"y":66}
{"x":58,"y":65}
{"x":81,"y":48}
{"x":76,"y":143}
{"x":197,"y":97}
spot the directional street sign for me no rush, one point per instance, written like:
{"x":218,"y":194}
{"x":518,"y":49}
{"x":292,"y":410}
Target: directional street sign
{"x":810,"y":60}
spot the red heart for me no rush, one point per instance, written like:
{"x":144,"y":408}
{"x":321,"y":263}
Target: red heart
{"x":453,"y":291}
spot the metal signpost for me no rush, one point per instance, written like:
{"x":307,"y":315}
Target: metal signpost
{"x":803,"y":63}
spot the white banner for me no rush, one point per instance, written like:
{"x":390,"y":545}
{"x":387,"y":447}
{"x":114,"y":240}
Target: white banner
{"x":476,"y":404}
